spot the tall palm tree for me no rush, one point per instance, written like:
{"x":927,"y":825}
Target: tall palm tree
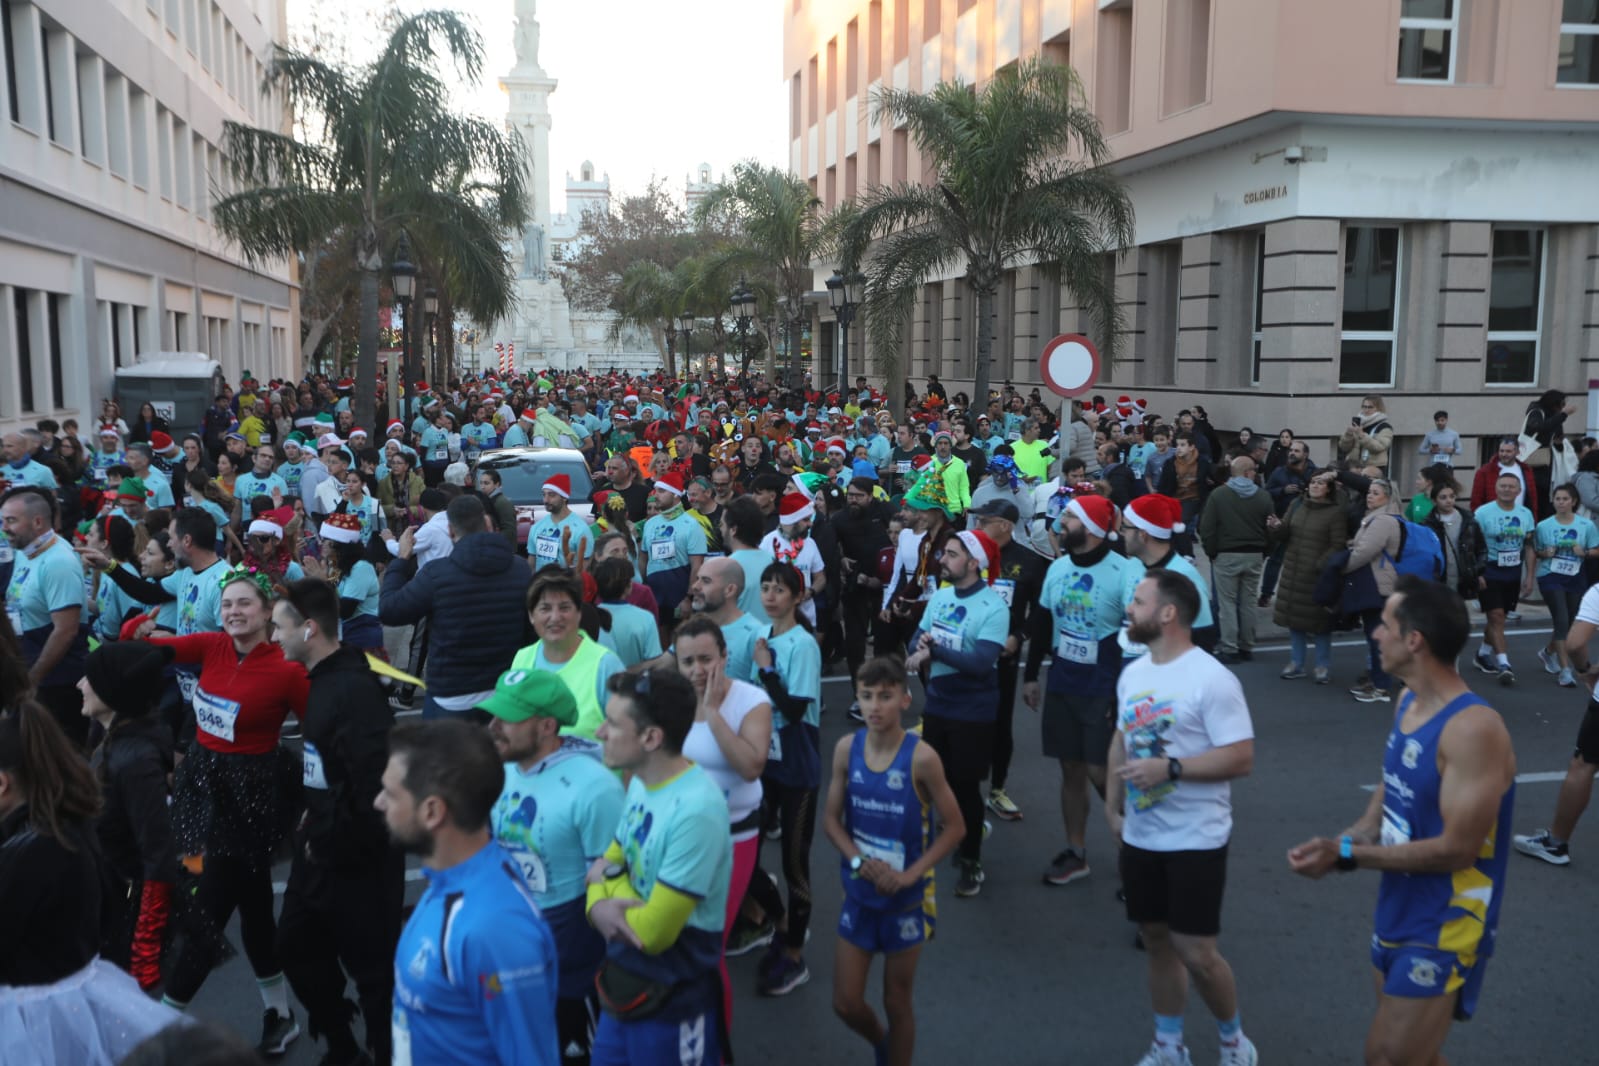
{"x":388,"y":155}
{"x":1019,"y":176}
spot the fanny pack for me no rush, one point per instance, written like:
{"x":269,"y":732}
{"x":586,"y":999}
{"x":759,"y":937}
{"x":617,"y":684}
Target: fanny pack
{"x":627,"y":995}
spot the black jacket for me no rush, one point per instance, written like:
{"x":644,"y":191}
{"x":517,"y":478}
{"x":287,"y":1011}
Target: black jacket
{"x":135,"y":826}
{"x":473,"y":599}
{"x":1025,"y":568}
{"x":1124,"y":486}
{"x":50,"y":900}
{"x":346,"y":727}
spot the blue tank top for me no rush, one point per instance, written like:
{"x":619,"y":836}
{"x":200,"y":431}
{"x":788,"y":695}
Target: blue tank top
{"x":1456,"y":912}
{"x":887,"y":820}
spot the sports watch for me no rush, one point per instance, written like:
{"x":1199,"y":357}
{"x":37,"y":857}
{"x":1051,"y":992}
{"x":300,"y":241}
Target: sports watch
{"x":855,"y":865}
{"x":1174,"y":769}
{"x":1346,"y":853}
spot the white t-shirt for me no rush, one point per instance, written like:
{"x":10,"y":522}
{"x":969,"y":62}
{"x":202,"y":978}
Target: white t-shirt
{"x":807,"y":562}
{"x":1588,"y":609}
{"x":1177,"y":710}
{"x":743,"y":797}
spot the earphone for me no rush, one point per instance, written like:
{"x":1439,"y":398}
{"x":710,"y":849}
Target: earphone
{"x":307,"y":634}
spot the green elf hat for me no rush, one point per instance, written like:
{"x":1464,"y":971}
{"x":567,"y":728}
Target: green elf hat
{"x":929,"y":493}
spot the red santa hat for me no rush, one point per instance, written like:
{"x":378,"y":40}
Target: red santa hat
{"x":837,"y":445}
{"x":671,"y":481}
{"x":1158,"y":516}
{"x":357,"y":431}
{"x":342,"y":528}
{"x":795,"y":507}
{"x":920,"y":462}
{"x":394,"y":424}
{"x":1097,"y":514}
{"x":529,"y":415}
{"x":561,"y":485}
{"x":981,"y":546}
{"x":161,"y":443}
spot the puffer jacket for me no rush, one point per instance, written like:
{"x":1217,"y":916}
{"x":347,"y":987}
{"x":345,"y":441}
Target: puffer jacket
{"x":473,"y":599}
{"x":1368,"y":444}
{"x":1468,"y":559}
{"x":1376,"y":544}
{"x":1313,"y":530}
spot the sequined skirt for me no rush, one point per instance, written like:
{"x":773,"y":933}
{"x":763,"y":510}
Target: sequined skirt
{"x":93,"y":1017}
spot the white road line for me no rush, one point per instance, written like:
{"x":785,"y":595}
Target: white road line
{"x":1540,"y":778}
{"x":278,"y":887}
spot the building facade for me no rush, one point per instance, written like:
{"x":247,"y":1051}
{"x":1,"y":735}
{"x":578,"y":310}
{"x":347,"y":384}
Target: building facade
{"x":110,"y":162}
{"x":1392,"y":196}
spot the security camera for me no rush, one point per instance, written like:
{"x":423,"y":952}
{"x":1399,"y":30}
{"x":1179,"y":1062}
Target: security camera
{"x":1293,"y":154}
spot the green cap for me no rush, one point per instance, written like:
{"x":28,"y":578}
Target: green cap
{"x":523,"y":694}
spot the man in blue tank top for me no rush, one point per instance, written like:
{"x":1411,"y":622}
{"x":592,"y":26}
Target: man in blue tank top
{"x":886,"y":785}
{"x":1438,"y":827}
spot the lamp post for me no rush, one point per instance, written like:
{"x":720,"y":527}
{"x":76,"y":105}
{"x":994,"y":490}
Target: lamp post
{"x":430,"y":308}
{"x":685,"y":323}
{"x":402,"y":275}
{"x":845,"y":293}
{"x":742,"y":304}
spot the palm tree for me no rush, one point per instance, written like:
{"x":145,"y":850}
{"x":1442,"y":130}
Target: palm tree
{"x":388,"y":156}
{"x":1020,"y":176}
{"x":650,"y":297}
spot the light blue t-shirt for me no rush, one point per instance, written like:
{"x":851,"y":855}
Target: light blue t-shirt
{"x":214,"y":509}
{"x":515,"y":437}
{"x":45,"y":580}
{"x":1087,"y":605}
{"x":361,"y":583}
{"x":290,"y":473}
{"x":30,"y":472}
{"x":1569,"y":543}
{"x":741,"y":635}
{"x":111,"y":605}
{"x":435,"y":444}
{"x":633,"y":636}
{"x":753,"y":562}
{"x":798,"y":660}
{"x":544,"y":540}
{"x":477,"y":437}
{"x":557,"y":818}
{"x":199,"y":598}
{"x":959,"y":623}
{"x":249,"y":485}
{"x":670,"y":544}
{"x":1179,"y":565}
{"x":1138,"y":455}
{"x":1505,"y":532}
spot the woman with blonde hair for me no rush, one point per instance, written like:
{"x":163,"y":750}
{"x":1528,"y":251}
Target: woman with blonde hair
{"x":1369,"y":436}
{"x":1372,"y":552}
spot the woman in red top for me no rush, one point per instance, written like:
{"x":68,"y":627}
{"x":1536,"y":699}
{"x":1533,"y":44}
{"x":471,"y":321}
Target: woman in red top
{"x":237,"y":793}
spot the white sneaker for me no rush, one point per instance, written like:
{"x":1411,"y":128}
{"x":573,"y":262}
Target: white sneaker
{"x":1240,"y":1054}
{"x":1161,"y":1056}
{"x":1551,"y":664}
{"x":1568,"y":679}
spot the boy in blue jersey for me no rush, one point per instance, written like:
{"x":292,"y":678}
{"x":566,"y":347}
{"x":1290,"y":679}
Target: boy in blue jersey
{"x":555,"y":816}
{"x":659,"y":893}
{"x":475,"y":973}
{"x":1508,"y":530}
{"x":1438,"y":827}
{"x":886,"y":786}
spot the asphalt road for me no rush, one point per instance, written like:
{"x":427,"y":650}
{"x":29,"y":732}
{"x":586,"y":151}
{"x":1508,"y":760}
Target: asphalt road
{"x":1027,"y":973}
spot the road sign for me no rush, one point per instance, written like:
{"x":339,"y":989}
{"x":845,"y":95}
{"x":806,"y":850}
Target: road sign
{"x":1070,"y":365}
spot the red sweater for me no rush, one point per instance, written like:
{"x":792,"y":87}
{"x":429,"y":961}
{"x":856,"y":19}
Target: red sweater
{"x":240,"y":705}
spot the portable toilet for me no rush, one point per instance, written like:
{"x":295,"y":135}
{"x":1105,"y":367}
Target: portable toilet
{"x":181,"y":385}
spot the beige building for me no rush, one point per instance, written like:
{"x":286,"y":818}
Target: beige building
{"x":110,"y":160}
{"x":1387,"y":196}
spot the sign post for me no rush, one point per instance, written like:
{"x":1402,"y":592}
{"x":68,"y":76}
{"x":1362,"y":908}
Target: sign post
{"x":1069,"y":366}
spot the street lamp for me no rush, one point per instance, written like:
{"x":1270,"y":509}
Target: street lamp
{"x":402,"y":275}
{"x":845,"y":293}
{"x":430,"y":308}
{"x":685,"y":322}
{"x":742,"y":303}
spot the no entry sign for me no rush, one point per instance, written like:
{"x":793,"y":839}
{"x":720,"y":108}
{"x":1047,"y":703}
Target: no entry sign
{"x":1069,"y":365}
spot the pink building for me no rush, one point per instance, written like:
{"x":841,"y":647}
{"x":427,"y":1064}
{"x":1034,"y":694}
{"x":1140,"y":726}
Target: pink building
{"x":1389,"y":196}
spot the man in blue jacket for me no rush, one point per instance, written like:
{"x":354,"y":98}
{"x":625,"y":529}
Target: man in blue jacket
{"x":473,"y":600}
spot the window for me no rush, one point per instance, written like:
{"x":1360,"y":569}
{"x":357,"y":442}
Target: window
{"x":1514,"y":309}
{"x":1185,"y":81}
{"x":11,"y":61}
{"x":1113,"y":85}
{"x":139,"y":135}
{"x":52,"y":311}
{"x":49,"y":84}
{"x":24,"y":328}
{"x":1371,"y":296}
{"x":1578,"y":62}
{"x":1428,"y":32}
{"x":163,"y":147}
{"x":1260,"y":306}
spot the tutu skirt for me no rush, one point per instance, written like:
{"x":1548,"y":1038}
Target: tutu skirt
{"x":93,"y":1017}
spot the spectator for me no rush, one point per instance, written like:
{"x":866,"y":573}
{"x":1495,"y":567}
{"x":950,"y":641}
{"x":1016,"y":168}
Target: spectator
{"x":1369,"y":435}
{"x":1186,"y":477}
{"x":1545,"y":422}
{"x":1375,"y":546}
{"x":1460,"y":537}
{"x":1124,"y":486}
{"x":1233,"y":530}
{"x":1312,"y":528}
{"x":1277,"y":455}
{"x":1440,"y":444}
{"x":1483,"y":482}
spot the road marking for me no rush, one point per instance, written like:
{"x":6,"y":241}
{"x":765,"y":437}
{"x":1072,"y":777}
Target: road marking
{"x":1541,"y":778}
{"x":414,"y":874}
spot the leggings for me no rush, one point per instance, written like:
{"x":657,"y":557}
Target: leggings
{"x":228,"y":884}
{"x":796,"y":813}
{"x":745,"y":855}
{"x":1563,"y":602}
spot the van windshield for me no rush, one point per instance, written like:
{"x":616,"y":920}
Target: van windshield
{"x":523,"y":481}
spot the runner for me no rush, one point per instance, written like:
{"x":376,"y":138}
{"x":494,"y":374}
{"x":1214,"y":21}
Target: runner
{"x":1437,"y":827}
{"x":475,"y":970}
{"x":1507,"y":573}
{"x":962,"y":633}
{"x":788,"y":543}
{"x":555,"y":606}
{"x":561,"y":534}
{"x":1184,"y":733}
{"x":555,"y":816}
{"x":1148,"y":526}
{"x":47,"y":606}
{"x":659,"y":894}
{"x":742,"y":523}
{"x":888,"y":856}
{"x":673,"y":542}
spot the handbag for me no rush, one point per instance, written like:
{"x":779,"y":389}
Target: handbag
{"x":1526,"y":444}
{"x":1330,"y":582}
{"x":1360,"y":591}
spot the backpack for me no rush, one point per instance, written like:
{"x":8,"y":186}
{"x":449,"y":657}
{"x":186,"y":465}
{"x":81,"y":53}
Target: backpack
{"x":1420,"y":551}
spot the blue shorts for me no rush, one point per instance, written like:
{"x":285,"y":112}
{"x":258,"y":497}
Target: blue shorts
{"x":688,"y":1042}
{"x":884,"y":931}
{"x":1413,"y":971}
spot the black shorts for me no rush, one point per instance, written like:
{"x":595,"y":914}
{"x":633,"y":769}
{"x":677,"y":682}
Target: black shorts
{"x":1500,"y":595}
{"x":1588,"y":736}
{"x":1078,"y":728}
{"x":1181,"y":890}
{"x":965,"y":748}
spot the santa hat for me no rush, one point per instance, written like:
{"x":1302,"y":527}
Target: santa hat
{"x":346,"y":384}
{"x":836,"y":445}
{"x":1140,"y":405}
{"x":394,"y":424}
{"x":357,"y":432}
{"x":795,"y":507}
{"x":981,"y":546}
{"x":530,"y":415}
{"x":342,"y":528}
{"x":1097,"y":514}
{"x":109,"y":431}
{"x":920,"y":462}
{"x":561,"y":485}
{"x":162,"y":444}
{"x":671,"y":481}
{"x":1158,"y":516}
{"x":264,"y":526}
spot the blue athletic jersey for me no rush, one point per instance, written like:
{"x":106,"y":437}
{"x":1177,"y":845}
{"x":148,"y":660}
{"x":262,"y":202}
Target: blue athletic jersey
{"x":888,"y":820}
{"x":753,"y":562}
{"x":1138,"y":455}
{"x":1505,"y":532}
{"x":669,"y":544}
{"x":475,"y":970}
{"x":49,"y":577}
{"x":633,"y":636}
{"x":361,"y":583}
{"x":111,"y":605}
{"x":741,"y":635}
{"x":544,"y":540}
{"x":797,"y":658}
{"x":555,"y":820}
{"x":291,"y":474}
{"x":478,"y":437}
{"x":435,"y":445}
{"x":958,"y":622}
{"x":1456,"y":912}
{"x":515,"y":437}
{"x":1179,"y":565}
{"x":248,"y":485}
{"x":157,"y":489}
{"x":1087,"y":605}
{"x":1569,"y":543}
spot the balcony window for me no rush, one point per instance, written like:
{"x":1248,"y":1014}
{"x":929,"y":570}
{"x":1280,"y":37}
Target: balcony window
{"x":1515,"y":311}
{"x":1371,"y":306}
{"x":1578,"y":62}
{"x":1428,"y":33}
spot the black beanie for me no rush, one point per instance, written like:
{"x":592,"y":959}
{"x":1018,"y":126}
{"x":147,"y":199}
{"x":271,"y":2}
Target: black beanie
{"x":128,"y":675}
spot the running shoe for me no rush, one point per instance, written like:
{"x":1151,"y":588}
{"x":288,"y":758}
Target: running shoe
{"x":1321,"y":675}
{"x":1372,"y":694}
{"x":1242,"y":1053}
{"x":1512,"y":616}
{"x":1065,"y":868}
{"x":1003,"y":805}
{"x":1363,"y":685}
{"x":1292,"y":672}
{"x":748,"y":937}
{"x":277,"y":1032}
{"x":1539,"y":846}
{"x":1568,"y":679}
{"x":1551,"y":664}
{"x":784,"y":976}
{"x":970,"y":881}
{"x":1507,"y":676}
{"x":1486,"y":662}
{"x":1163,"y":1056}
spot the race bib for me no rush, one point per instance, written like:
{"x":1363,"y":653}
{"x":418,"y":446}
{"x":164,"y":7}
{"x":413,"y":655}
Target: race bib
{"x":903,"y":466}
{"x":663,"y":549}
{"x":187,"y":683}
{"x":774,"y":750}
{"x":1075,"y":649}
{"x":945,"y":636}
{"x":1509,"y":557}
{"x":548,"y":547}
{"x":215,"y":716}
{"x":1395,"y":829}
{"x":311,"y":760}
{"x":891,"y":852}
{"x":1007,"y":591}
{"x":532,"y":868}
{"x":1565,"y":566}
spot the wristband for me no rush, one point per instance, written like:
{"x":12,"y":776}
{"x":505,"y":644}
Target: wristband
{"x":1346,"y":853}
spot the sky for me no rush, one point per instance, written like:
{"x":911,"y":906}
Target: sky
{"x":681,"y":84}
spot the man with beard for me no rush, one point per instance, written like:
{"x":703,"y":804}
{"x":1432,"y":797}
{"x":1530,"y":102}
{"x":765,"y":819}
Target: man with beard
{"x":46,"y":605}
{"x":625,"y":483}
{"x":1183,"y":733}
{"x":906,"y":448}
{"x":555,"y":816}
{"x":957,"y":480}
{"x":475,"y":971}
{"x":967,"y":451}
{"x":1147,"y":528}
